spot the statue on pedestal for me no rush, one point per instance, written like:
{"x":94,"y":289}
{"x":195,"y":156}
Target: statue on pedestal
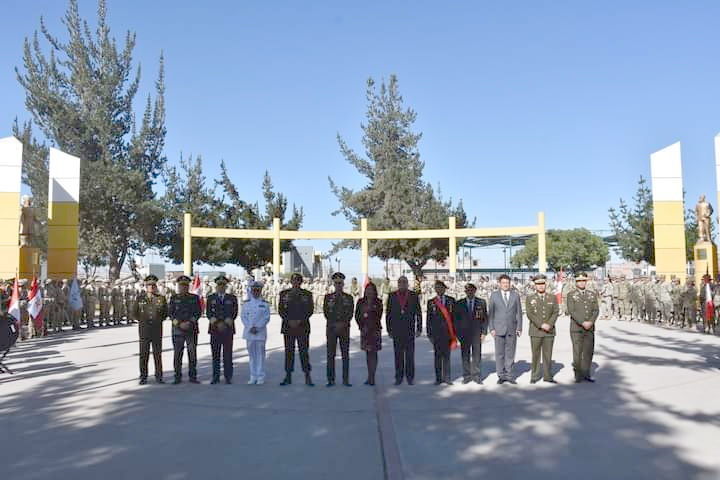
{"x":28,"y":222}
{"x":703,"y":213}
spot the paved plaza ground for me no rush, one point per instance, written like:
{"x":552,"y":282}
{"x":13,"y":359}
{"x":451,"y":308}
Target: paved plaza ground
{"x":74,"y":410}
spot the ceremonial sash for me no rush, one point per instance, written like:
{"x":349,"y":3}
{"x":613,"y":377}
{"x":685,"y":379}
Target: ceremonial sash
{"x":448,"y":322}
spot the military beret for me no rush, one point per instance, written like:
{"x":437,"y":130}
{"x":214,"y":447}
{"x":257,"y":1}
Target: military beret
{"x":151,"y":279}
{"x":440,"y":283}
{"x":221,"y":279}
{"x":338,"y":276}
{"x":183,"y":279}
{"x":581,"y":277}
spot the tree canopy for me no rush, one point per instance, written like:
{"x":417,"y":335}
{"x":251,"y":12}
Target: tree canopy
{"x":395,"y":196}
{"x":571,"y":250}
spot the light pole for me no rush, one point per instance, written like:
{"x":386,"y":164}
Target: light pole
{"x":505,"y":256}
{"x":338,"y":263}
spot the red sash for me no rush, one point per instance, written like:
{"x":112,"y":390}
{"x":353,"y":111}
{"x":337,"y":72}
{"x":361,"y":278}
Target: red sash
{"x":448,"y":321}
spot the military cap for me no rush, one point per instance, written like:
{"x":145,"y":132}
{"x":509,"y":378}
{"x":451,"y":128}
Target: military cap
{"x":471,"y":286}
{"x":183,"y":279}
{"x":221,"y":279}
{"x":151,"y":279}
{"x":440,"y":283}
{"x":338,"y":276}
{"x":581,"y":277}
{"x":540,"y":279}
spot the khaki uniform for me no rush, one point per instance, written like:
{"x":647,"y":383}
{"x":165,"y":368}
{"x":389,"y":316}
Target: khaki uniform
{"x":582,"y":307}
{"x":540,"y":309}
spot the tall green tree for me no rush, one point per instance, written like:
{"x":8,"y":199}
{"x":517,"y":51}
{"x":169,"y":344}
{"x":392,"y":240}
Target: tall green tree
{"x":395,"y":196}
{"x":633,"y":225}
{"x":571,"y":250}
{"x":238,"y":213}
{"x":81,"y":96}
{"x":187,"y":191}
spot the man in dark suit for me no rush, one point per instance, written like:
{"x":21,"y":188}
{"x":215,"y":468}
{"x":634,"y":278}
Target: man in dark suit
{"x":471,"y":324}
{"x":441,"y":332}
{"x":505,"y":324}
{"x":295,"y":306}
{"x":404,"y":322}
{"x":222,"y":309}
{"x":339,"y":308}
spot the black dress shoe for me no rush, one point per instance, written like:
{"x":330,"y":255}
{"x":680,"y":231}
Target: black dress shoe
{"x":347,"y":384}
{"x":287,"y":381}
{"x":398,"y":382}
{"x":330,"y":384}
{"x":177,"y":380}
{"x":552,"y":380}
{"x":215,"y":381}
{"x":438,"y":382}
{"x":143,"y":381}
{"x":478,"y":381}
{"x":449,"y":382}
{"x":411,"y":382}
{"x":466,"y":381}
{"x":590,"y":379}
{"x":228,"y":381}
{"x":532,"y":382}
{"x":308,"y":380}
{"x":159,"y":380}
{"x":501,"y":381}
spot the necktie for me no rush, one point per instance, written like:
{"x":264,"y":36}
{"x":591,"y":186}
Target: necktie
{"x":505,"y":298}
{"x":471,"y":306}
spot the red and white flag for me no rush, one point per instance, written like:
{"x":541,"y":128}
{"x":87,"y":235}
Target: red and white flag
{"x":559,"y":283}
{"x":197,"y":289}
{"x":35,"y":304}
{"x":14,"y":304}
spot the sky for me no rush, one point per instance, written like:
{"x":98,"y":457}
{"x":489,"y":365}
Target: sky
{"x":523,"y":106}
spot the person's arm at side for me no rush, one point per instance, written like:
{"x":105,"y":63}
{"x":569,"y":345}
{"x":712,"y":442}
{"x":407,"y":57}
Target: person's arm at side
{"x":519,"y":315}
{"x":491,"y":314}
{"x":388,"y":317}
{"x":417,"y":316}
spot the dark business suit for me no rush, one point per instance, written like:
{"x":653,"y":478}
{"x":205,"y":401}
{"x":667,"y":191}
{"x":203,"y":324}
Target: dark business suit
{"x":437,"y":331}
{"x":222,"y":310}
{"x":402,"y":322}
{"x":295,"y":306}
{"x":506,"y":320}
{"x":470,"y":325}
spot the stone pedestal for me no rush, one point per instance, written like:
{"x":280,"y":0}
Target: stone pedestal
{"x":705,"y":254}
{"x":29,"y":262}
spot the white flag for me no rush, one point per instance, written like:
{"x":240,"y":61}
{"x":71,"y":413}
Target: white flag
{"x":75,"y":300}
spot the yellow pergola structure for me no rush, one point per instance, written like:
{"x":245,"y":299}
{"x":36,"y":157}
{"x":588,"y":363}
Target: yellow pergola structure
{"x":364,"y":235}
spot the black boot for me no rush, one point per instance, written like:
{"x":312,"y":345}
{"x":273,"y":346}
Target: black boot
{"x":287,"y":381}
{"x":308,"y":380}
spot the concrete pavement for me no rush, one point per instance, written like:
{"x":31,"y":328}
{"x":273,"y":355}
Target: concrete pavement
{"x":73,"y":409}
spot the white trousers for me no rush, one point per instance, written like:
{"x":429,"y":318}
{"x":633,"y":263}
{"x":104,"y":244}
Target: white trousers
{"x":256,"y":352}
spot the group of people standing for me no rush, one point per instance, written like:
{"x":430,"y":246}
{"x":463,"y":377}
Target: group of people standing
{"x":449,"y":325}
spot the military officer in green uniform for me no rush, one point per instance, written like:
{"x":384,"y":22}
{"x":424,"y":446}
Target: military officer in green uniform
{"x":583,"y":310}
{"x":184,"y":311}
{"x":542,"y":312}
{"x":150,"y":309}
{"x":338,"y":308}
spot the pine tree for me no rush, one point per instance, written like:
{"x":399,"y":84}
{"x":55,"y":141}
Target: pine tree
{"x":395,"y":196}
{"x":81,"y":96}
{"x":633,"y":226}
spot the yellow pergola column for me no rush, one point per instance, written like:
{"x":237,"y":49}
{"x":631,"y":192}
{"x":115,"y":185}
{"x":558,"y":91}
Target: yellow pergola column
{"x":364,"y":249}
{"x":276,"y":249}
{"x":187,"y":244}
{"x":10,"y":180}
{"x":542,"y":246}
{"x":452,"y":247}
{"x":668,"y":212}
{"x":63,"y":214}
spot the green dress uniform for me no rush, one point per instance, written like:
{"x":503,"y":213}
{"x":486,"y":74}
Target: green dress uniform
{"x":541,"y":308}
{"x":582,"y":307}
{"x":184,"y":311}
{"x":150,"y":310}
{"x":338,"y":308}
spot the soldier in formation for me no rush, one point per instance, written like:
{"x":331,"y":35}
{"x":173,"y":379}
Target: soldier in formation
{"x":583,"y":310}
{"x":150,"y":309}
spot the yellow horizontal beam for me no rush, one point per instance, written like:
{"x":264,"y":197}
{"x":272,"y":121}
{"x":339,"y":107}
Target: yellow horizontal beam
{"x":357,"y":234}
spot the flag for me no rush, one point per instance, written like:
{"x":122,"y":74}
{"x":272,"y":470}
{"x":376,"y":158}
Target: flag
{"x":35,"y":305}
{"x":14,"y":304}
{"x":75,"y":299}
{"x":559,"y":283}
{"x":197,"y":289}
{"x":709,"y":307}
